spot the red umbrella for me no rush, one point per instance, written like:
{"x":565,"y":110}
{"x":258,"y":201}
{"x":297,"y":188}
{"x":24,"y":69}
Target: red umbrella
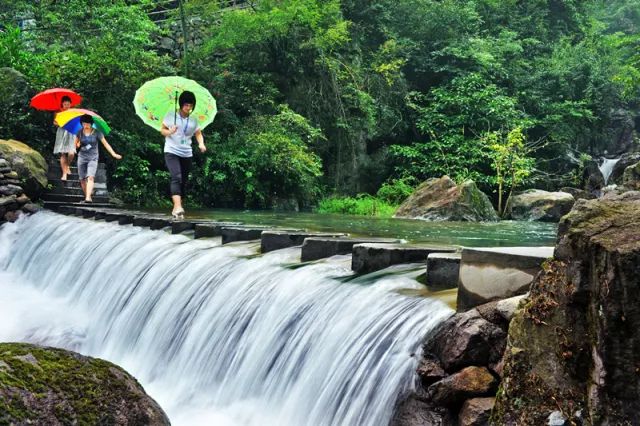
{"x":51,"y":99}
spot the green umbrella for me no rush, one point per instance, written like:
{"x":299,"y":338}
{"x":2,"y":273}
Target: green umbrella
{"x":157,"y":97}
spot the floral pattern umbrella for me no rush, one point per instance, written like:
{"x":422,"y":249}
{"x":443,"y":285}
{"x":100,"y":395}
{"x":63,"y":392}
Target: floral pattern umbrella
{"x":157,"y":97}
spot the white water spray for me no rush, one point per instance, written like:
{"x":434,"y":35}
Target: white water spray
{"x":216,"y":334}
{"x":606,"y":168}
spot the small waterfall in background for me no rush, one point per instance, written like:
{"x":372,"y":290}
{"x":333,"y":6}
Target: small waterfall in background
{"x":606,"y":168}
{"x":216,"y":334}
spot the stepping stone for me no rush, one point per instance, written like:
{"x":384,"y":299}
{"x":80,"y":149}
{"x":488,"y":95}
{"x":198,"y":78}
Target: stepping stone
{"x":159,"y":223}
{"x":315,"y":248}
{"x":488,"y":274}
{"x":142,"y":220}
{"x":371,"y":257}
{"x":211,"y":229}
{"x":276,"y":240}
{"x":443,"y":270}
{"x":238,"y":233}
{"x":179,"y":226}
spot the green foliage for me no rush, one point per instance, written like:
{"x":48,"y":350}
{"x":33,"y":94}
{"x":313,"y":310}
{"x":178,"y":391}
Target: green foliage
{"x":266,"y":161}
{"x":361,"y":205}
{"x":453,"y":119}
{"x":396,"y":89}
{"x":396,"y":191}
{"x":511,"y":162}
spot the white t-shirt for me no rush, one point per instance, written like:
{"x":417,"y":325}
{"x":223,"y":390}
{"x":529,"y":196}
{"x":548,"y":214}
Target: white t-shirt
{"x":180,"y":142}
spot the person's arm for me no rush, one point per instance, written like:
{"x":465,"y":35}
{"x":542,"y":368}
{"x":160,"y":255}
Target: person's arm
{"x":166,"y":131}
{"x":110,"y":150}
{"x":77,"y":141}
{"x":200,"y":139}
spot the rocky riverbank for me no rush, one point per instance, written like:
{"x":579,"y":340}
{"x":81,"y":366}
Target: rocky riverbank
{"x":566,"y":354}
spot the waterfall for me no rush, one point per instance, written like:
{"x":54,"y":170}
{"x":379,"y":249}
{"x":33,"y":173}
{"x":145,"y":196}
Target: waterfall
{"x":607,"y":168}
{"x":216,"y":334}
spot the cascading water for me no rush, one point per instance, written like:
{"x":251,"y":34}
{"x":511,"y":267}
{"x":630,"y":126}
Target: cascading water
{"x":216,"y":334}
{"x":606,"y":168}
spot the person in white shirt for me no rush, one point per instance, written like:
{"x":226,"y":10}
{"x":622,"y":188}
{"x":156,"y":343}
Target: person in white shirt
{"x":178,"y":127}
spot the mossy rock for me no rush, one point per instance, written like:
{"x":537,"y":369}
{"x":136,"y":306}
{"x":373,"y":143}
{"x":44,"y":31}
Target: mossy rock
{"x":28,"y":163}
{"x":42,"y":385}
{"x":441,"y":199}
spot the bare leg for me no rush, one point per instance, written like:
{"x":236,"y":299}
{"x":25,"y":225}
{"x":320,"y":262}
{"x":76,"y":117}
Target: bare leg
{"x":64,"y":166}
{"x":89,"y":188}
{"x":83,"y":184}
{"x":70,"y":157}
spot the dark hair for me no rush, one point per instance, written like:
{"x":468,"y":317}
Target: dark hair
{"x":86,"y":118}
{"x":187,"y":97}
{"x":65,"y":99}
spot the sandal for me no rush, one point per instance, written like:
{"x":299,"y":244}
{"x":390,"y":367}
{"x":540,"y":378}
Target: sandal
{"x":178,"y":214}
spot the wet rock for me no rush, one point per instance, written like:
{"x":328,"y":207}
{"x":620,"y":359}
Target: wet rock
{"x":592,"y":179}
{"x":476,"y":412}
{"x":430,"y":371}
{"x":271,"y":240}
{"x":467,"y":339}
{"x":577,"y":193}
{"x":441,"y":199}
{"x":53,"y":386}
{"x":626,"y":160}
{"x":315,"y":248}
{"x":10,"y":190}
{"x":468,"y":383}
{"x":416,"y":412}
{"x":23,"y":199}
{"x":539,"y":205}
{"x":13,"y":215}
{"x":631,"y":177}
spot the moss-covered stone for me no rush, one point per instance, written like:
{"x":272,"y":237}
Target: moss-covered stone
{"x":41,"y":385}
{"x":30,"y":166}
{"x":442,"y":199}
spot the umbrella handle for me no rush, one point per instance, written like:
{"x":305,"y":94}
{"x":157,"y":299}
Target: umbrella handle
{"x":175,"y":108}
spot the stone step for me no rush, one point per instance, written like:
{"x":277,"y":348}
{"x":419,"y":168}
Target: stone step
{"x":74,"y":168}
{"x":369,"y":257}
{"x":271,"y":240}
{"x":488,"y":274}
{"x":70,"y":199}
{"x":73,"y":184}
{"x":315,"y":248}
{"x":443,"y":270}
{"x":212,"y":229}
{"x":56,"y":205}
{"x":77,"y":191}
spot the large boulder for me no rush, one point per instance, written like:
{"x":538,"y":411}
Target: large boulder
{"x":592,"y":178}
{"x":48,"y":386}
{"x":536,"y":204}
{"x":30,"y":166}
{"x":626,"y":160}
{"x":631,"y":177}
{"x":441,"y":199}
{"x":574,"y":347}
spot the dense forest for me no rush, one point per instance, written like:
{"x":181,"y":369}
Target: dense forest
{"x":334,"y":98}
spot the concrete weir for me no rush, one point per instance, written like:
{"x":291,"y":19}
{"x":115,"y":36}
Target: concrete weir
{"x":488,"y":274}
{"x":275,"y":240}
{"x":315,"y":248}
{"x":369,"y":257}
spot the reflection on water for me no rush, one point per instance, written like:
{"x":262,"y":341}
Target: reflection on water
{"x":505,"y":233}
